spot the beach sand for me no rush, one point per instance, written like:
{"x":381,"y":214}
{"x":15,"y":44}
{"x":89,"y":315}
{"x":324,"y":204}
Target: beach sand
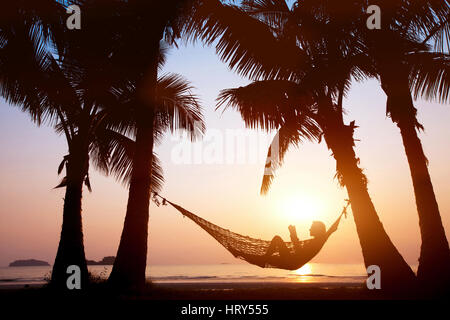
{"x":224,"y":291}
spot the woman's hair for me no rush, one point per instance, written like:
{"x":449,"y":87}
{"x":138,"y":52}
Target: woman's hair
{"x":318,"y":228}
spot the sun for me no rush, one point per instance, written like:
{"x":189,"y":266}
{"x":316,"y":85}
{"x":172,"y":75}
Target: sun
{"x":301,"y":209}
{"x":305,"y":270}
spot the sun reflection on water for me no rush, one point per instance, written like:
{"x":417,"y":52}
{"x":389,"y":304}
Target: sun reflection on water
{"x":305,"y":270}
{"x":303,"y":274}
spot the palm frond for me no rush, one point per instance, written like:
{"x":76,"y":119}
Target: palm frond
{"x":62,"y":184}
{"x":430,"y":75}
{"x":21,"y":75}
{"x":293,"y":132}
{"x":232,"y":31}
{"x":113,"y":154}
{"x":275,"y":104}
{"x":274,"y":13}
{"x":177,"y":107}
{"x":267,"y":104}
{"x":428,"y":19}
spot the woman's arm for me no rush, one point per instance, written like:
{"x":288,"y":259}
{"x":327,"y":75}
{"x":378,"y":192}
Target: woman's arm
{"x":334,"y":226}
{"x":294,"y":237}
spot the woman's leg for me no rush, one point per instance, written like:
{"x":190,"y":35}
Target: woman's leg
{"x":277,"y":245}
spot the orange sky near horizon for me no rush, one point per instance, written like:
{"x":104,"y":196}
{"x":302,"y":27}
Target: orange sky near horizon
{"x":225,"y":194}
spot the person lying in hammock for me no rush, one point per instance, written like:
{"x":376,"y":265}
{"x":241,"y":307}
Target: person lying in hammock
{"x":280,"y":255}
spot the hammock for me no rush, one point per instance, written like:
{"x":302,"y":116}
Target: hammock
{"x":253,"y":250}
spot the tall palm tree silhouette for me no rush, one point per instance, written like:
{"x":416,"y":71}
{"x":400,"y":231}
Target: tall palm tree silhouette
{"x":406,"y":64}
{"x":403,"y":62}
{"x":140,"y":28}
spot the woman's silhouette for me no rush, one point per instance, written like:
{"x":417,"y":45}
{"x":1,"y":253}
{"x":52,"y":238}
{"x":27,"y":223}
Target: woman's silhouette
{"x":280,"y":255}
{"x":318,"y":231}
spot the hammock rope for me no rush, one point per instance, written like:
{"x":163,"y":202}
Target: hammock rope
{"x":253,"y":250}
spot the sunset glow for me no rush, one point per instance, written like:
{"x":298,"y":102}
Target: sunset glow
{"x":301,"y":209}
{"x":305,"y":270}
{"x":220,"y":146}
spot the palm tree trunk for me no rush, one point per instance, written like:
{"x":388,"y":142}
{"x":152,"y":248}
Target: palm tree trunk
{"x":128,"y":271}
{"x":377,"y":248}
{"x":71,"y":246}
{"x":129,"y":267}
{"x":434,"y":260}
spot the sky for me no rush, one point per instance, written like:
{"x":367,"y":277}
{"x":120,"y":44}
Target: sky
{"x":219,"y":178}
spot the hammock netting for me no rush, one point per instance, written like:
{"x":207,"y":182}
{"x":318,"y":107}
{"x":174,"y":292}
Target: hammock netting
{"x":253,"y":250}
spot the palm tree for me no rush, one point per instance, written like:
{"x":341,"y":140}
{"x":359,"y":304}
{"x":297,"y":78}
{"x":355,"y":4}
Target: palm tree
{"x":406,"y":65}
{"x":175,"y":108}
{"x":375,"y":243}
{"x":140,"y":26}
{"x":106,"y":136}
{"x":136,"y":57}
{"x":326,"y":80}
{"x":90,"y":138}
{"x":96,"y":133}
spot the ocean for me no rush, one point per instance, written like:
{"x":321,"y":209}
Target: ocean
{"x":220,"y":273}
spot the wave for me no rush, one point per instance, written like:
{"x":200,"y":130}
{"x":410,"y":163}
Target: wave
{"x":326,"y":275}
{"x":185,"y":278}
{"x":13,"y":280}
{"x":205,"y":278}
{"x":230,"y":273}
{"x":253,"y":278}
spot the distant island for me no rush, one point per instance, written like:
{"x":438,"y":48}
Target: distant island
{"x":29,"y":263}
{"x":106,"y":261}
